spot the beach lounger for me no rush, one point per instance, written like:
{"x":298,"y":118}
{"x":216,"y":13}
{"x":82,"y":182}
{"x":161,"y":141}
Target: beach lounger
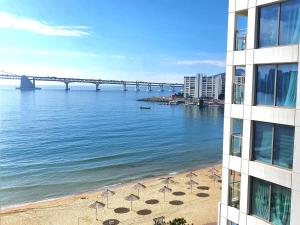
{"x":159,"y":220}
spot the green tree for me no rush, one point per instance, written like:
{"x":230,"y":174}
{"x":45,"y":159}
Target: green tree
{"x":178,"y":221}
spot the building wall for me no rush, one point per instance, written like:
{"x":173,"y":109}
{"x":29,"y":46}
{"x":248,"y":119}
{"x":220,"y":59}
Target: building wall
{"x":248,"y":112}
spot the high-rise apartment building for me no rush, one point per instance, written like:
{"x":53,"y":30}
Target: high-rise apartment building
{"x":203,"y":86}
{"x":261,"y":149}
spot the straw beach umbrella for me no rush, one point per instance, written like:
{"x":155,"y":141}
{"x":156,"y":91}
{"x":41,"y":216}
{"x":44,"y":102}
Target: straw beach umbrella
{"x":167,"y":180}
{"x":107,"y":193}
{"x":97,"y":205}
{"x":132,"y":198}
{"x":139,"y":186}
{"x":165,"y":190}
{"x":191,"y":174}
{"x":212,"y":170}
{"x":191,"y":183}
{"x":214,"y":177}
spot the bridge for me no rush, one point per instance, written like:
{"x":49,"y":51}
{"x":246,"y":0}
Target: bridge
{"x":28,"y":82}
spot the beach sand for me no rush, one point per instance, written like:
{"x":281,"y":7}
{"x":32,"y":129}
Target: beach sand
{"x":197,"y":210}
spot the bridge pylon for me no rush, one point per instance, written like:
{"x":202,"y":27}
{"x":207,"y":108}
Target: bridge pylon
{"x":161,"y":87}
{"x":98,"y":87}
{"x":137,"y":87}
{"x":67,"y":86}
{"x":124,"y":87}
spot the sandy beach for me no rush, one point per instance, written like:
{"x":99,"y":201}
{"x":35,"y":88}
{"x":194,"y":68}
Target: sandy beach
{"x":198,"y":207}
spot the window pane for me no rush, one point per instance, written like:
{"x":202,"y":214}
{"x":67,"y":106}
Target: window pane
{"x":260,"y":198}
{"x":265,"y":85}
{"x":234,"y":189}
{"x":280,"y":205}
{"x":263,"y":133}
{"x":283,"y":146}
{"x":290,"y":23}
{"x":286,"y":87}
{"x":268,"y":25}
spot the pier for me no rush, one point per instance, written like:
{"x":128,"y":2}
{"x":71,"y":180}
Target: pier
{"x":28,"y":82}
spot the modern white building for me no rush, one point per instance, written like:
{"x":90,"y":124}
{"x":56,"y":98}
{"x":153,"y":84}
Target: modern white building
{"x":261,"y":148}
{"x":204,"y":86}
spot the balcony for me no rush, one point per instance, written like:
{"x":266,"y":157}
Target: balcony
{"x":236,"y":144}
{"x":240,"y":40}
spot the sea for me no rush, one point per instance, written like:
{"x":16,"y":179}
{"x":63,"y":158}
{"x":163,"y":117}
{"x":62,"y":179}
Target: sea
{"x":55,"y":143}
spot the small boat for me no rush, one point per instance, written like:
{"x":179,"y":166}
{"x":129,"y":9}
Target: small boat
{"x":145,"y":107}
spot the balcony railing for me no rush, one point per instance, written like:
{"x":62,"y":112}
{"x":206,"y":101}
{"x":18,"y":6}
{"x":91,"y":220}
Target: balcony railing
{"x":236,"y":144}
{"x":240,"y":39}
{"x":238,"y":93}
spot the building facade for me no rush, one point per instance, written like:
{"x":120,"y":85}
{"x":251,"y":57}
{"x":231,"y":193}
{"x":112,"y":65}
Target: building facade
{"x":261,"y":147}
{"x":203,"y":86}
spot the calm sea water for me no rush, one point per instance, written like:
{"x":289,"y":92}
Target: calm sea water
{"x":55,"y":143}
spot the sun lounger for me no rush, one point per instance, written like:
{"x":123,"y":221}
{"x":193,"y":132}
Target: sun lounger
{"x":159,"y":220}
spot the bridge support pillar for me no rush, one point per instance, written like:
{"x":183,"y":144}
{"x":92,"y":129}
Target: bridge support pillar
{"x":97,"y":87}
{"x":27,"y":84}
{"x":137,"y":87}
{"x":149,"y":87}
{"x":67,"y":86}
{"x":124,"y":87}
{"x":161,"y":87}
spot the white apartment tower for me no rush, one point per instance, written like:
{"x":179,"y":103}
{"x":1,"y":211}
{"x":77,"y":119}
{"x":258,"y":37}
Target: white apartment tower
{"x":261,"y":149}
{"x":203,"y":86}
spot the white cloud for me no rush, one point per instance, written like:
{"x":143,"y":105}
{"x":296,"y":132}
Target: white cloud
{"x":11,"y":21}
{"x":60,"y":53}
{"x":219,"y":63}
{"x":43,"y":52}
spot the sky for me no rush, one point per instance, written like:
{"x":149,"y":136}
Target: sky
{"x":149,"y":40}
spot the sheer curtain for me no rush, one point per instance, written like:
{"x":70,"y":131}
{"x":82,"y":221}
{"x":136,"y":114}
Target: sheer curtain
{"x":292,"y":88}
{"x":280,"y":205}
{"x":260,"y":199}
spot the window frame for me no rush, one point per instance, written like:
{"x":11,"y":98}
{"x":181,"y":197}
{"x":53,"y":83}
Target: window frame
{"x":274,"y":86}
{"x":273,"y":144}
{"x":258,"y":25}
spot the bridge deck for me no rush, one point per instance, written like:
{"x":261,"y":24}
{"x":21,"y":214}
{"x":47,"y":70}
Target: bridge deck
{"x":93,"y":81}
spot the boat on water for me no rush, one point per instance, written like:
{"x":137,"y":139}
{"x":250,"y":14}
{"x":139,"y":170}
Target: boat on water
{"x":145,"y":107}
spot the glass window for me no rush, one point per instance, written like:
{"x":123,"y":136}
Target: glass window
{"x":260,"y":198}
{"x":290,"y":23}
{"x":265,"y":85}
{"x":236,"y":137}
{"x":274,"y":144}
{"x":234,"y":189}
{"x":286,"y":86}
{"x":231,"y":223}
{"x":280,"y":205}
{"x":277,"y":85}
{"x":238,"y":85}
{"x":271,"y":202}
{"x":283,"y":146}
{"x":263,"y":142}
{"x":268,"y":25}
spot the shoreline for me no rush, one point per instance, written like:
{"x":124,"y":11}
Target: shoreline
{"x":11,"y":209}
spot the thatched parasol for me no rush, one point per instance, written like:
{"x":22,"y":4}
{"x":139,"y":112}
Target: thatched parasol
{"x":164,"y":190}
{"x":132,"y":198}
{"x":107,"y":193}
{"x":191,"y":183}
{"x":167,"y":180}
{"x":97,"y":205}
{"x":139,"y":186}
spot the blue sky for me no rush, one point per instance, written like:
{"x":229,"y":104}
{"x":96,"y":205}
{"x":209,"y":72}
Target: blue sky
{"x":155,"y":40}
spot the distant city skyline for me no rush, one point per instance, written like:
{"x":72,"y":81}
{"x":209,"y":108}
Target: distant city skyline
{"x":127,"y":40}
